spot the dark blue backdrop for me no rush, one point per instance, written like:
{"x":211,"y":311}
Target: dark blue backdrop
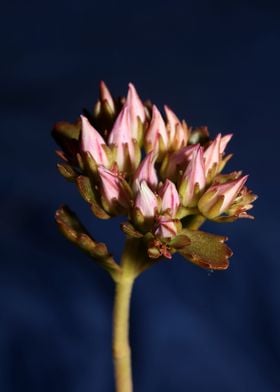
{"x":214,"y":63}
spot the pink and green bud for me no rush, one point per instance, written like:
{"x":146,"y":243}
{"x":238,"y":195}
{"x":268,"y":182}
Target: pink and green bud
{"x":193,"y":180}
{"x":146,"y":201}
{"x":127,"y":151}
{"x":170,"y":200}
{"x":106,"y":97}
{"x":136,"y":111}
{"x":115,"y":193}
{"x":219,"y":198}
{"x":175,"y":162}
{"x":177,"y":131}
{"x":93,"y":142}
{"x":165,"y":227}
{"x":156,"y":137}
{"x":146,"y":171}
{"x":213,"y":155}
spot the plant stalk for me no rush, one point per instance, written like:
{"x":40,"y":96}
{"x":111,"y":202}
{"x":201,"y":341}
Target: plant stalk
{"x":121,"y":347}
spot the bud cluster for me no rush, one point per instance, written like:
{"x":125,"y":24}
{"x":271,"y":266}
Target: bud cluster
{"x":128,"y":159}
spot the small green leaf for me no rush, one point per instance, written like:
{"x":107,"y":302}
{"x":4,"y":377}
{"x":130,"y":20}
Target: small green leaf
{"x":70,"y":226}
{"x":206,"y":250}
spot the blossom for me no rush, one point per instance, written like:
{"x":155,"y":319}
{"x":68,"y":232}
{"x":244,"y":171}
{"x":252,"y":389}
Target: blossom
{"x":93,"y":142}
{"x":194,"y":179}
{"x":156,"y":137}
{"x":115,"y":195}
{"x":146,"y":201}
{"x":178,"y":132}
{"x":170,"y":200}
{"x":165,"y":177}
{"x":219,"y":197}
{"x":176,"y":161}
{"x":106,"y":97}
{"x":136,"y":111}
{"x":213,"y":154}
{"x":146,"y":171}
{"x":165,"y":227}
{"x":126,"y":147}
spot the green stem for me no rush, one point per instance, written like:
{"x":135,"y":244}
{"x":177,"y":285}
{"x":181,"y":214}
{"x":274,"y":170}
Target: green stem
{"x":121,"y":347}
{"x":134,"y":261}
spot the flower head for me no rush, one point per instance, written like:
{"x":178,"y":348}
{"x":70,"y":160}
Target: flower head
{"x":126,"y":159}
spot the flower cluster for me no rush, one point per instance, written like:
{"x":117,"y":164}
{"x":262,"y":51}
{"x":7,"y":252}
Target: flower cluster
{"x":128,"y":159}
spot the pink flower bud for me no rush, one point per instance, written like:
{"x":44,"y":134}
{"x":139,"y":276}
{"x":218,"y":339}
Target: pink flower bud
{"x":165,"y":227}
{"x":146,"y":200}
{"x":105,"y":96}
{"x":178,"y":134}
{"x":213,"y":153}
{"x":169,"y":198}
{"x":93,"y":142}
{"x":156,"y":137}
{"x":219,"y":197}
{"x":136,"y":109}
{"x":146,"y":171}
{"x":175,"y":162}
{"x":224,"y":142}
{"x":193,"y":180}
{"x":127,"y":151}
{"x":113,"y":189}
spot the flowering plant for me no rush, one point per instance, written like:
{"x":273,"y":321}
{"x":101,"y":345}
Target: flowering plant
{"x":164,"y":177}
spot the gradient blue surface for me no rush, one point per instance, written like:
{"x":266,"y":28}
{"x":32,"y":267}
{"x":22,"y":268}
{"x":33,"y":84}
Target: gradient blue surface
{"x":214,"y":63}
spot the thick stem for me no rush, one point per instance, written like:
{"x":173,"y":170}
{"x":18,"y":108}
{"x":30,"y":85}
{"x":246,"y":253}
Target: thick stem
{"x":121,"y":347}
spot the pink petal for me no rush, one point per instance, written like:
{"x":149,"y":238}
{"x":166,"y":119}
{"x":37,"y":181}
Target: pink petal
{"x":146,"y":171}
{"x":105,"y":95}
{"x":112,"y":187}
{"x":169,"y":197}
{"x":146,"y":200}
{"x":92,"y":141}
{"x":212,"y":153}
{"x":157,"y":128}
{"x":135,"y":104}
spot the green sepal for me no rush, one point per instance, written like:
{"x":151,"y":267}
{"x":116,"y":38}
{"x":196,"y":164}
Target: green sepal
{"x":70,"y":226}
{"x":67,"y":171}
{"x":67,"y":136}
{"x":206,"y":250}
{"x":130,"y":230}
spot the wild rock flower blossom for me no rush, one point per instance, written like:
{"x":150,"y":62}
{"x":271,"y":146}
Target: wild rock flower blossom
{"x":129,"y":159}
{"x":160,"y":173}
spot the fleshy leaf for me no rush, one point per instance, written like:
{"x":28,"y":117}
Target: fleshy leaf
{"x":206,"y":250}
{"x":70,"y":226}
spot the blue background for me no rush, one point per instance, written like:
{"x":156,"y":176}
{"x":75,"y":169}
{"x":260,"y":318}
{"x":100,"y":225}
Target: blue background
{"x":214,"y":63}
